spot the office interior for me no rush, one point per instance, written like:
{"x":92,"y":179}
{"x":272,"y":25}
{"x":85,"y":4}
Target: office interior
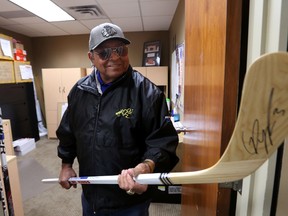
{"x":221,"y":39}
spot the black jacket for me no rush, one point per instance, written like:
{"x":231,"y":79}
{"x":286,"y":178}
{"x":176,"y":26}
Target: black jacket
{"x":116,"y":130}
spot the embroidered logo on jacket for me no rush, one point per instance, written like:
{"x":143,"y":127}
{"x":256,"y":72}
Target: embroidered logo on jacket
{"x":125,"y":113}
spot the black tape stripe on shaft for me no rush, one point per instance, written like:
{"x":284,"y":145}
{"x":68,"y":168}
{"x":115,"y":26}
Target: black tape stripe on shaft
{"x":164,"y":179}
{"x":168,"y":182}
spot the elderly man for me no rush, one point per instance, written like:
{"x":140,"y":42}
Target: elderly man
{"x":116,"y":123}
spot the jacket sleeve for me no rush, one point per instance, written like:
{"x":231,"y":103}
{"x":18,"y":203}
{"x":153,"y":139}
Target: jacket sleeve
{"x":67,"y":142}
{"x":162,"y":138}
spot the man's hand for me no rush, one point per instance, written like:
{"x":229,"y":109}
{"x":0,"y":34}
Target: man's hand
{"x":67,"y":172}
{"x":126,"y":178}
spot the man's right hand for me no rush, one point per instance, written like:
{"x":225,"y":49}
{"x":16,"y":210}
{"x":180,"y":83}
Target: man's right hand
{"x":67,"y":172}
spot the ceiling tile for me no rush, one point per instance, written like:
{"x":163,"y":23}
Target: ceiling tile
{"x":158,"y":8}
{"x":72,"y":27}
{"x":16,"y":14}
{"x":129,"y":24}
{"x":117,"y":9}
{"x":28,"y":20}
{"x":162,"y":24}
{"x":26,"y":30}
{"x":68,"y":3}
{"x":130,"y":15}
{"x":8,"y":6}
{"x":49,"y":30}
{"x":123,"y":2}
{"x":92,"y":23}
{"x":4,"y":21}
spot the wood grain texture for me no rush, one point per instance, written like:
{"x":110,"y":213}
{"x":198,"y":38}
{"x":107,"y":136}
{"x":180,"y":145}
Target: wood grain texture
{"x":205,"y":51}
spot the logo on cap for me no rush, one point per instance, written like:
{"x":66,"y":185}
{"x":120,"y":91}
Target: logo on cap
{"x":108,"y":31}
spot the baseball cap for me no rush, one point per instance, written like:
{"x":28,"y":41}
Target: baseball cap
{"x":103,"y":32}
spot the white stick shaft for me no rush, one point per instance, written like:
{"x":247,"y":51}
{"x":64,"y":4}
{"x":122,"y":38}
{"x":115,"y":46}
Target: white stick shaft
{"x":219,"y":173}
{"x":153,"y":178}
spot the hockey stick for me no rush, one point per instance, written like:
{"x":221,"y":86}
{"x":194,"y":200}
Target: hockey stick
{"x":6,"y":180}
{"x":261,"y":127}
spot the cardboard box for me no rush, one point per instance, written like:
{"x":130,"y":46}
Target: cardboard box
{"x":7,"y":71}
{"x":6,"y":47}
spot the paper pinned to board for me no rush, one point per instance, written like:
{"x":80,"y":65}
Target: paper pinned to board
{"x":6,"y":47}
{"x":26,"y":72}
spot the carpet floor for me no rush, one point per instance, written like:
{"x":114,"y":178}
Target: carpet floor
{"x":50,"y":199}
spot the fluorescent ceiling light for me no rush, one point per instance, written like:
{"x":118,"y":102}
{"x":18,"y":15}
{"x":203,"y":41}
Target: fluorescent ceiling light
{"x":45,"y":9}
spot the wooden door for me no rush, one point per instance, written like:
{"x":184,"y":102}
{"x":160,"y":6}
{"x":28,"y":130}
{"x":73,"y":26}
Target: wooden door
{"x":69,"y":77}
{"x":52,"y":96}
{"x":57,"y":83}
{"x":212,"y":56}
{"x":52,"y":88}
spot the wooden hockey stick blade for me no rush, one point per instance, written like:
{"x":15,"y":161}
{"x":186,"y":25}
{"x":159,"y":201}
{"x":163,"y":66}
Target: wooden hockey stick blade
{"x":261,"y":127}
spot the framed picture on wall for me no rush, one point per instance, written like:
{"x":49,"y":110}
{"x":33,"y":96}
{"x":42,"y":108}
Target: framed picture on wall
{"x":151,"y":53}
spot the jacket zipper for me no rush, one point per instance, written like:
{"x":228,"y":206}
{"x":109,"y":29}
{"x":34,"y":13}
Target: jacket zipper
{"x":94,"y":139}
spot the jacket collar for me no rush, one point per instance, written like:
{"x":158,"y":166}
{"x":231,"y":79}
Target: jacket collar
{"x":92,"y":84}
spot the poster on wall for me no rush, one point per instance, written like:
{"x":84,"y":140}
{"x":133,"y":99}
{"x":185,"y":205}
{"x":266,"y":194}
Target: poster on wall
{"x":177,"y":75}
{"x":180,"y":61}
{"x":151,"y":53}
